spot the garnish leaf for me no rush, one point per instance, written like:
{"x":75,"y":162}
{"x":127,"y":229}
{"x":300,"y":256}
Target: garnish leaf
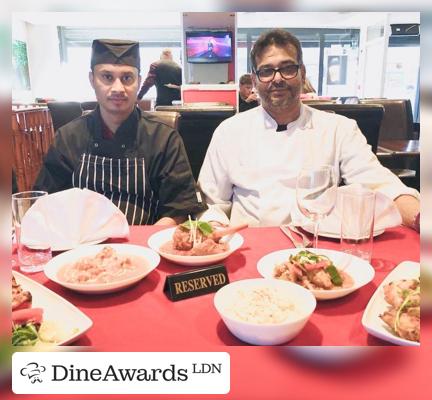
{"x":26,"y":335}
{"x":205,"y":228}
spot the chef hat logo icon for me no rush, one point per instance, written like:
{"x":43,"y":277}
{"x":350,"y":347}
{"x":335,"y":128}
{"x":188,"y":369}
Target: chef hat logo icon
{"x":33,"y":371}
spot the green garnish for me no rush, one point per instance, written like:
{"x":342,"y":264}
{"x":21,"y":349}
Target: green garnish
{"x":334,"y":275}
{"x":26,"y":335}
{"x":405,"y":304}
{"x":205,"y":228}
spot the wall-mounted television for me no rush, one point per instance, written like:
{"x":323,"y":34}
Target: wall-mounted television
{"x":203,"y":47}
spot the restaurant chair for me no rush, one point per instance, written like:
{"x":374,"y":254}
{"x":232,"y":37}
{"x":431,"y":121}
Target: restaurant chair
{"x":368,"y":117}
{"x":145,"y":104}
{"x":397,"y":122}
{"x":63,"y":112}
{"x":32,"y":135}
{"x":88,"y":105}
{"x":171,"y":118}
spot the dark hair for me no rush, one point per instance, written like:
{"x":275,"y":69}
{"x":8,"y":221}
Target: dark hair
{"x":245,"y":79}
{"x":278,"y":38}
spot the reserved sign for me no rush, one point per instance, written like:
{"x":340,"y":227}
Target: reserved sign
{"x":197,"y":282}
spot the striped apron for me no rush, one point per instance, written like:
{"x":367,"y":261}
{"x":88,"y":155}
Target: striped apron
{"x":123,"y":181}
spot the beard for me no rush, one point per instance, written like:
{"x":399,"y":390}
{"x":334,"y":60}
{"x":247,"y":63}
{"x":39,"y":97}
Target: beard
{"x":280,"y":96}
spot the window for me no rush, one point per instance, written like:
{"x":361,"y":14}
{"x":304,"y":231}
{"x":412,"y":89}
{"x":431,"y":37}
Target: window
{"x":319,"y":47}
{"x":75,"y":50}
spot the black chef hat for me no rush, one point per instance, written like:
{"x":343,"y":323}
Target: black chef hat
{"x":113,"y":51}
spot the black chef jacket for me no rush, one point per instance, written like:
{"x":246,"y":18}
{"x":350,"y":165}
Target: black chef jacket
{"x":144,"y":169}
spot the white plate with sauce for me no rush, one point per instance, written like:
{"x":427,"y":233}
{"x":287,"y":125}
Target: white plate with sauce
{"x":160,"y":238}
{"x":66,"y":321}
{"x":377,"y":305}
{"x":144,"y":259}
{"x":359,"y":270}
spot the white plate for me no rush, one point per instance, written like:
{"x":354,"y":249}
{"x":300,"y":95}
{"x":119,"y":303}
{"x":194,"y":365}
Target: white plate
{"x":158,"y":239}
{"x":335,"y":235}
{"x":57,"y":310}
{"x":65,"y":248}
{"x":377,"y":305}
{"x":52,"y":267}
{"x":359,"y":270}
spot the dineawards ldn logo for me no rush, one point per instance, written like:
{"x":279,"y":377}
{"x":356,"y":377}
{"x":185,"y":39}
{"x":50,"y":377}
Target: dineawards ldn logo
{"x":33,"y":371}
{"x":128,"y":373}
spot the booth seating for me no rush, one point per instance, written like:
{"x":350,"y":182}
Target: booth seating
{"x":196,"y":127}
{"x":368,"y":117}
{"x":397,"y":125}
{"x":397,"y":122}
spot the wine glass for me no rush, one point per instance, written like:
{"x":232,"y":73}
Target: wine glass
{"x":316,"y":194}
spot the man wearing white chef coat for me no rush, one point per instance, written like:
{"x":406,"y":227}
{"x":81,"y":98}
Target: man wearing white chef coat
{"x":250,"y":169}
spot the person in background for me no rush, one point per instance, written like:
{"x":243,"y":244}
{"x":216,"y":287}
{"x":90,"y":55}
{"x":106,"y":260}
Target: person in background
{"x":247,"y":97}
{"x":132,"y":158}
{"x":308,"y":91}
{"x":250,"y":169}
{"x":166,"y":75}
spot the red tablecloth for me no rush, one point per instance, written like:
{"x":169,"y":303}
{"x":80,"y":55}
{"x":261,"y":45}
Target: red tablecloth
{"x":143,"y":318}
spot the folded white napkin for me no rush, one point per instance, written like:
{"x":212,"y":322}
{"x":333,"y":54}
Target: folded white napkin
{"x":386,"y":213}
{"x":72,"y":217}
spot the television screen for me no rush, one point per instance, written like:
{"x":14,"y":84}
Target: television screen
{"x":209,"y":46}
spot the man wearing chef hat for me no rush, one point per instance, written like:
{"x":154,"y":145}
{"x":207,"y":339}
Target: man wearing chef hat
{"x":134,"y":159}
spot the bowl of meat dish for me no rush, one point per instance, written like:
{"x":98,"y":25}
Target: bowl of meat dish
{"x":328,"y":274}
{"x":102,"y":268}
{"x":264,"y":311}
{"x":196,"y":243}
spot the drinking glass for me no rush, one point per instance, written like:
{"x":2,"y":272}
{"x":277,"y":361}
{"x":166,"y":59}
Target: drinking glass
{"x":316,"y":194}
{"x":357,"y":224}
{"x":35,"y":253}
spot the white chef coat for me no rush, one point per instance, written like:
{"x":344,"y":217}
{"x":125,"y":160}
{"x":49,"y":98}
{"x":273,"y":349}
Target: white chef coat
{"x":250,"y":170}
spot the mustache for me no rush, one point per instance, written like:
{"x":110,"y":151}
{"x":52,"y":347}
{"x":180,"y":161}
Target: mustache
{"x":279,"y":85}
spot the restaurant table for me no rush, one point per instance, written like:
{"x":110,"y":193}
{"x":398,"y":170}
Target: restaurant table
{"x":143,"y":318}
{"x":407,"y":148}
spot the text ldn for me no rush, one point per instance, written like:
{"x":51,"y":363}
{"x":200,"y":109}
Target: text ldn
{"x":62,"y":373}
{"x":205,"y":368}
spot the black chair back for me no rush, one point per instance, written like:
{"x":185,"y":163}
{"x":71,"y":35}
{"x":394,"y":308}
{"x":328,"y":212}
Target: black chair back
{"x":63,"y":112}
{"x":171,"y":118}
{"x":368,"y":117}
{"x":88,"y":105}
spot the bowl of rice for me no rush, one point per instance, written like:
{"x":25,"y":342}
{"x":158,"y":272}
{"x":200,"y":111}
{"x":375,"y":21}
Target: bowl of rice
{"x":264,"y":311}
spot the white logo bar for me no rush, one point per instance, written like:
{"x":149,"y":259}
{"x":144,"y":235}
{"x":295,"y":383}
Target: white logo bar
{"x":120,"y":373}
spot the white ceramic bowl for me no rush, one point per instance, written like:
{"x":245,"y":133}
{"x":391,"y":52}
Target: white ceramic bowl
{"x":360,"y":270}
{"x":269,"y":333}
{"x":53,"y":266}
{"x":159,"y":238}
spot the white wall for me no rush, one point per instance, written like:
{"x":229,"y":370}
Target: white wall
{"x":44,"y":60}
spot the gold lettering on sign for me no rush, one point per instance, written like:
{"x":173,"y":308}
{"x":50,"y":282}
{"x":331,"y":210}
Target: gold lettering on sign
{"x":178,"y":288}
{"x":202,"y":282}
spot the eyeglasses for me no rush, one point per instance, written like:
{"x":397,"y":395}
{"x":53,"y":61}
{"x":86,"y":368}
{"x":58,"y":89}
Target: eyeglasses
{"x":268,"y":74}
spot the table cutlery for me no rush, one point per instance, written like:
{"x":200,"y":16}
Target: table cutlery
{"x":305,"y":239}
{"x":287,"y":232}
